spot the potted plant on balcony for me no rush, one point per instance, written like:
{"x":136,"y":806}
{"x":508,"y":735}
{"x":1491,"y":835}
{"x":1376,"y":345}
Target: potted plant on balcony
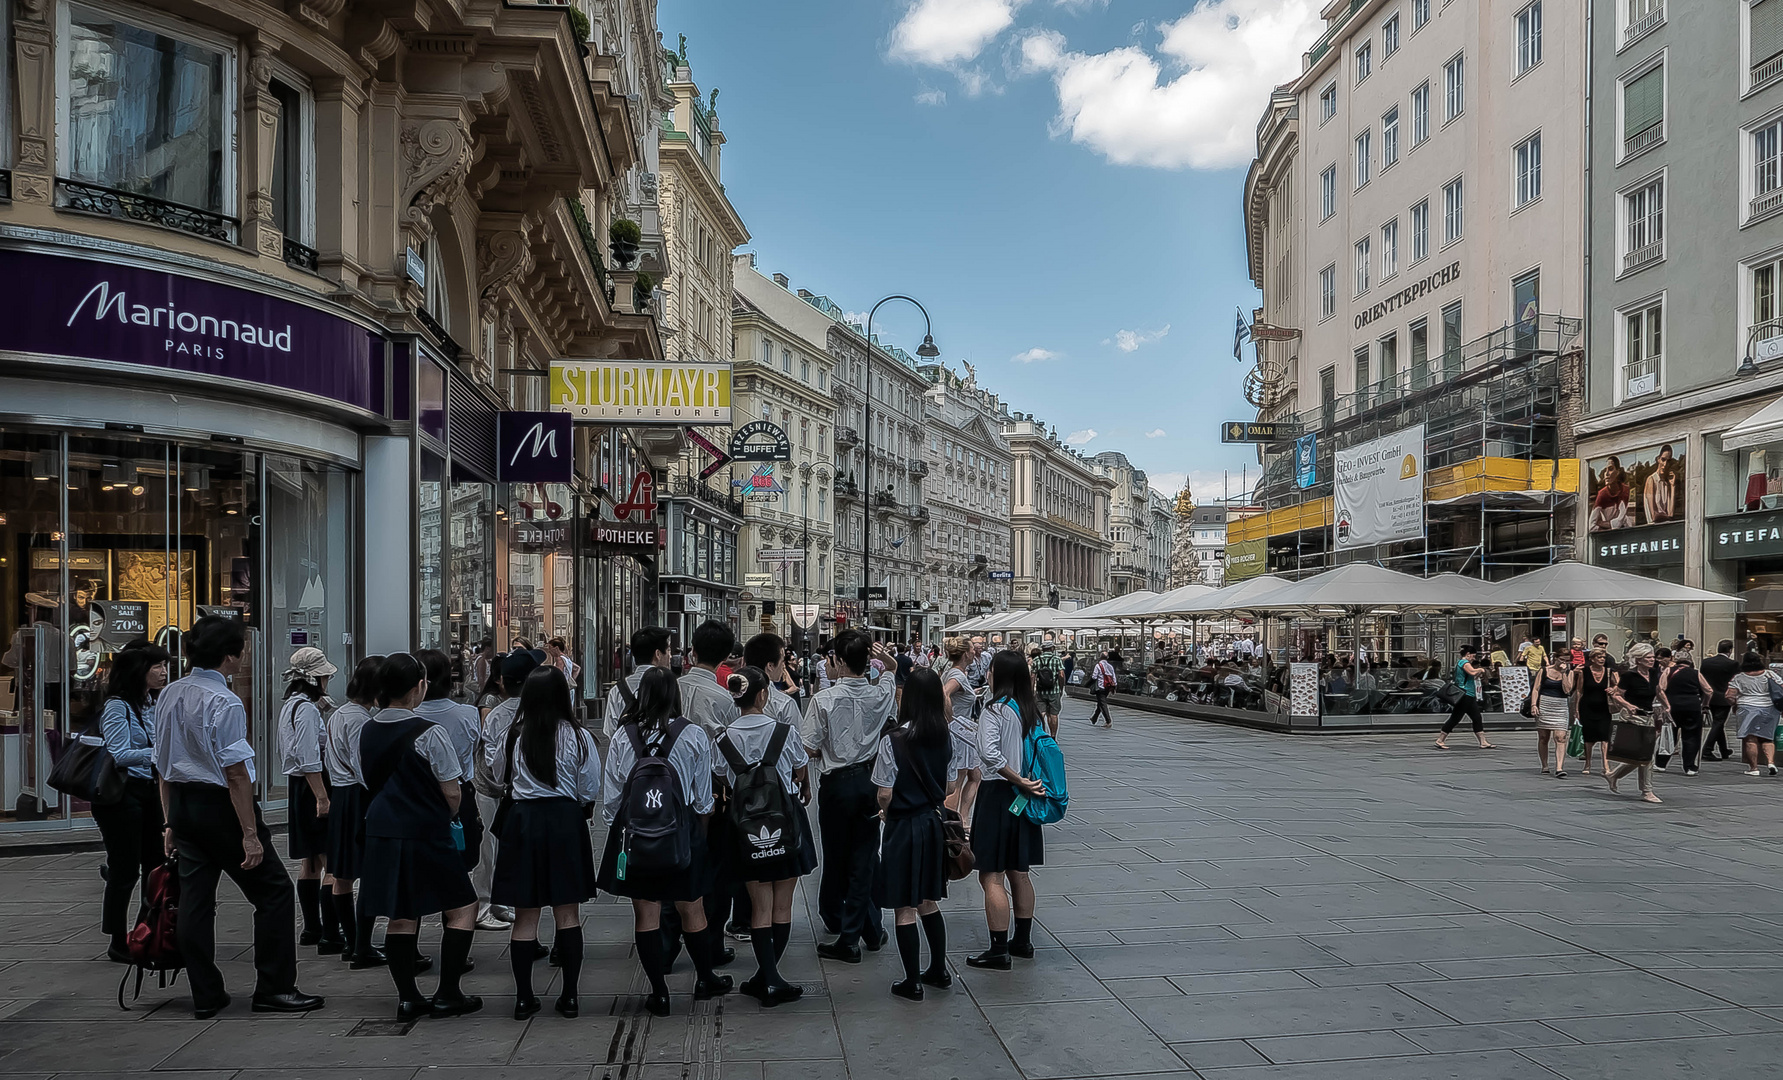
{"x":642,"y":290}
{"x":622,"y":241}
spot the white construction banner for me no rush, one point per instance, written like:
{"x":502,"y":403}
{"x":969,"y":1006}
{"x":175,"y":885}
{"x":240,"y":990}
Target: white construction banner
{"x":1378,"y":496}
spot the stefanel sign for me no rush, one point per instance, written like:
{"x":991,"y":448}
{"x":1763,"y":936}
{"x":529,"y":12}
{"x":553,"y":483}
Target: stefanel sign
{"x":91,"y":310}
{"x":1654,"y":545}
{"x":1747,"y":536}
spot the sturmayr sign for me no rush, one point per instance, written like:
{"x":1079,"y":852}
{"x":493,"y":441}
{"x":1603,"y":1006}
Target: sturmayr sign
{"x":59,"y":306}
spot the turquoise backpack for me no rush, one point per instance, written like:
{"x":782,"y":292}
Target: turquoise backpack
{"x":1045,"y":763}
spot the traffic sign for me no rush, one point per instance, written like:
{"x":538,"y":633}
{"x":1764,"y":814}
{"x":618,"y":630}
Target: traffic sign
{"x":1246,"y":431}
{"x":758,"y":581}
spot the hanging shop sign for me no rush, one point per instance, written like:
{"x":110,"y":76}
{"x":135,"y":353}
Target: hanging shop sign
{"x":537,"y":536}
{"x":761,"y":440}
{"x":1246,"y":559}
{"x":1636,"y":488}
{"x":59,"y":306}
{"x":1306,"y":459}
{"x":1653,"y":545}
{"x":641,"y":392}
{"x":1001,"y":575}
{"x":1378,"y":496}
{"x":534,"y":448}
{"x":760,"y":486}
{"x":1747,"y":536}
{"x":621,"y":538}
{"x":1247,"y":431}
{"x":780,"y":555}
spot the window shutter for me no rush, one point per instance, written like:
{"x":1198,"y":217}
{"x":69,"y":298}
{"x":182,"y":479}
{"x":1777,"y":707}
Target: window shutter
{"x":1643,"y":99}
{"x":1767,"y":30}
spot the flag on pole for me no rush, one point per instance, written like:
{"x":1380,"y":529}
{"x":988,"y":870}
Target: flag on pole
{"x":1239,"y":334}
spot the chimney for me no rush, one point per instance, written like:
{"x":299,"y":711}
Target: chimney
{"x":783,"y":281}
{"x":806,"y":294}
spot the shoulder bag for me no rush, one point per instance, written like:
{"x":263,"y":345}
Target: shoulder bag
{"x":86,"y":770}
{"x":1633,"y":739}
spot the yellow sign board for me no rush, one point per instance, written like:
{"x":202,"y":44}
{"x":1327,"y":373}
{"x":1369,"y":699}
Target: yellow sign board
{"x":641,"y":392}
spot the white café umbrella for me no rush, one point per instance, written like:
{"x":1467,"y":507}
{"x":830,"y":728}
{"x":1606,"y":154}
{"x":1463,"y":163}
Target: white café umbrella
{"x":1047,"y":618}
{"x":1169,"y":602}
{"x":1573,"y":584}
{"x":968,"y":625}
{"x":1131,"y":604}
{"x":1360,"y":588}
{"x":1224,"y":601}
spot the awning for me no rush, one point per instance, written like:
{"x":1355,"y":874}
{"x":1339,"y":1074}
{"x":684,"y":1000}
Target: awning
{"x":1763,"y":426}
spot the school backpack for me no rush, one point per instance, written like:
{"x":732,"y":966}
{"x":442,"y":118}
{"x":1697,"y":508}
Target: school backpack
{"x":154,"y":944}
{"x":760,"y":817}
{"x":1045,"y":763}
{"x":1043,"y":675}
{"x":657,"y":825}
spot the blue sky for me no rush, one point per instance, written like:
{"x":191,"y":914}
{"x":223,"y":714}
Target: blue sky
{"x":1058,"y":181}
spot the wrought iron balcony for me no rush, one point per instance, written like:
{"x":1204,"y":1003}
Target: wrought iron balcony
{"x":884,"y":499}
{"x":919,"y":513}
{"x":1766,"y":73}
{"x":132,"y":206}
{"x":919,"y":468}
{"x":847,"y":489}
{"x":690,"y":488}
{"x":847,"y":438}
{"x":1768,"y":203}
{"x":298,"y":257}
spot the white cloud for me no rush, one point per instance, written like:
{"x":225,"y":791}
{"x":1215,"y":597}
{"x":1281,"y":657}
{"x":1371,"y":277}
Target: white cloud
{"x":1031,"y":355}
{"x":1166,"y":483}
{"x":941,"y":33}
{"x":1079,"y":438}
{"x":1197,"y":106}
{"x":932,"y":97}
{"x":1155,"y":433}
{"x":1131,"y":340}
{"x":1079,"y":5}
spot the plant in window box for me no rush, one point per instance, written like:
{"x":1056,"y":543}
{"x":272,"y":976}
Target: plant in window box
{"x":642,"y":291}
{"x":623,"y":236}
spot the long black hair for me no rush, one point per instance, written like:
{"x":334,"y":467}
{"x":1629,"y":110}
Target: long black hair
{"x":398,"y":676}
{"x":544,"y":706}
{"x":659,"y":700}
{"x":307,"y":687}
{"x":923,"y":712}
{"x":362,"y":688}
{"x":1010,"y":677}
{"x":129,"y":678}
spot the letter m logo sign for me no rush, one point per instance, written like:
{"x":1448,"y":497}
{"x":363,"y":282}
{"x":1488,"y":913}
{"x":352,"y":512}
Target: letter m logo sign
{"x":534,"y":448}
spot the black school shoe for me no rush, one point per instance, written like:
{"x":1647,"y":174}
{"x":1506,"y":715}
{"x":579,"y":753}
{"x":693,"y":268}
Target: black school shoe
{"x":657,"y":1004}
{"x":207,"y":1011}
{"x":874,"y":942}
{"x":835,"y":950}
{"x":1026,"y":952}
{"x":909,"y":989}
{"x":440,"y":1008}
{"x":309,"y":938}
{"x":368,"y":957}
{"x":715,"y":987}
{"x":995,"y":961}
{"x":331,"y":946}
{"x":294,"y":1002}
{"x":939,"y":979}
{"x":527,"y":1008}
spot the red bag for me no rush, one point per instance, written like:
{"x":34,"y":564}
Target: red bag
{"x":154,"y":944}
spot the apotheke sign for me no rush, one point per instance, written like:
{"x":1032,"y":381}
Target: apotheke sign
{"x":1654,"y":545}
{"x":1747,"y":536}
{"x":1448,"y":275}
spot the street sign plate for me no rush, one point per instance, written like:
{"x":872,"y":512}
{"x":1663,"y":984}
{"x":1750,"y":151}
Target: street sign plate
{"x":758,"y":581}
{"x":1247,"y":431}
{"x":1001,"y":575}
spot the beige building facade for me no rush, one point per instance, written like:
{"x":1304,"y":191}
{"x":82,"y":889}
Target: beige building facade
{"x":1058,"y":517}
{"x":967,"y":490}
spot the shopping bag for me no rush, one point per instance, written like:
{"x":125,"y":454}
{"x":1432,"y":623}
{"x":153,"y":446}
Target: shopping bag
{"x":1575,"y":741}
{"x":1665,"y":746}
{"x":1632,"y":740}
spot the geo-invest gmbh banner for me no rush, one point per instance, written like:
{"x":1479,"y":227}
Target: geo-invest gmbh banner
{"x":641,"y":392}
{"x":1378,"y":496}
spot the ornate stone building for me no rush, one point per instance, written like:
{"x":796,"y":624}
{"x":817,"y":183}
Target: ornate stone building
{"x":967,"y":493}
{"x":1059,"y":516}
{"x":1129,"y":523}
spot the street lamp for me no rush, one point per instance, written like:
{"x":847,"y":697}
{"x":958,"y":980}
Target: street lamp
{"x":927,"y":351}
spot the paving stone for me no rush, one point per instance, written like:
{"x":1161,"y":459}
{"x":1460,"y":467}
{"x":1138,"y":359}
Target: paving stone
{"x":1349,"y":1045}
{"x":1267,"y":1013}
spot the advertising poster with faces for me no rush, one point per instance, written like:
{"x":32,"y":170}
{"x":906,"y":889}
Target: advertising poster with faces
{"x":1636,"y":488}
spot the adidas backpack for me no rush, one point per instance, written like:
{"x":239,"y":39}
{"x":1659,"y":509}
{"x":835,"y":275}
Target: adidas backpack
{"x":657,"y":826}
{"x":154,"y":944}
{"x":760,"y":818}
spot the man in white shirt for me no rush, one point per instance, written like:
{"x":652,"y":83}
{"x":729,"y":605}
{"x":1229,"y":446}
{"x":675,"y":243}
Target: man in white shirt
{"x":1101,"y":682}
{"x":841,"y":732}
{"x":649,"y":648}
{"x":206,"y":765}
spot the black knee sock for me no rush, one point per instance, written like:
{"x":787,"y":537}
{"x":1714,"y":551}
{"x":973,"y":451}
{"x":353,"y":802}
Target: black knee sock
{"x":934,"y":927}
{"x":520,"y":959}
{"x":455,"y":949}
{"x":309,"y":892}
{"x":909,"y":949}
{"x":999,"y":942}
{"x":568,"y":941}
{"x":767,"y":966}
{"x":403,"y":954}
{"x":331,"y":920}
{"x":1024,"y":929}
{"x":703,"y":948}
{"x":348,"y":928}
{"x":782,"y":935}
{"x":650,"y":958}
{"x":366,"y":924}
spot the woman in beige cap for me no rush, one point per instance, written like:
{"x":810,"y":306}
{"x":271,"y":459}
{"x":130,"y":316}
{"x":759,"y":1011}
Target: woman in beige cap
{"x":306,"y":812}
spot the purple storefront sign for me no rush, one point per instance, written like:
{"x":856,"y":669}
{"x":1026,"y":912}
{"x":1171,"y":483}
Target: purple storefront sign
{"x":64,"y":306}
{"x":534,"y":448}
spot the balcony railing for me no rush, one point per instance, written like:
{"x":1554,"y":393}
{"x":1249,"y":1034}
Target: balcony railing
{"x":591,"y":245}
{"x":847,"y":489}
{"x":847,"y":438}
{"x":449,"y":347}
{"x":1768,"y":203}
{"x":1640,"y":257}
{"x":131,"y":206}
{"x":298,"y":257}
{"x":919,"y":468}
{"x":1767,"y":72}
{"x":919,"y":513}
{"x":1324,"y":43}
{"x":689,"y":488}
{"x":884,"y":499}
{"x":1644,"y":25}
{"x":1645,"y":139}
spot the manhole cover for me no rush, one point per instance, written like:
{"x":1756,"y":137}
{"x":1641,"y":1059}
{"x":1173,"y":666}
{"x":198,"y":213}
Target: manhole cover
{"x":381,"y":1027}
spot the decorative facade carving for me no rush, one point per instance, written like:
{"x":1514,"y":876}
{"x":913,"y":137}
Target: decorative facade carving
{"x":437,"y":156}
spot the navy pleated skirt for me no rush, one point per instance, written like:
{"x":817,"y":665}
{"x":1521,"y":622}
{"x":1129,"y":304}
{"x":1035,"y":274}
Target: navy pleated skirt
{"x":679,"y":887}
{"x":306,"y":835}
{"x":1001,"y":840}
{"x":346,"y":819}
{"x":406,"y":879}
{"x":912,"y":862}
{"x":543,"y":856}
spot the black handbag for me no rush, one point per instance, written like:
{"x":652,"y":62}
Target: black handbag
{"x":86,"y":770}
{"x":1450,"y":694}
{"x":1633,"y":740}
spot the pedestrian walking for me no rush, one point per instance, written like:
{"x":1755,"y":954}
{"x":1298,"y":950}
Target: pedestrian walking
{"x":131,"y":827}
{"x":1756,"y":715}
{"x":1049,"y":683}
{"x":763,"y":763}
{"x":1007,"y":844}
{"x":413,"y":863}
{"x":464,"y":727}
{"x":909,"y":772}
{"x":1552,"y":706}
{"x":841,"y":733}
{"x":551,"y":770}
{"x":1101,"y":682}
{"x":300,"y":728}
{"x":206,"y":766}
{"x":1685,"y":692}
{"x":963,"y":767}
{"x":1594,"y":686}
{"x":1719,"y":670}
{"x":346,"y":815}
{"x":656,"y":792}
{"x":1637,"y":690}
{"x":1467,"y":679}
{"x":706,"y":702}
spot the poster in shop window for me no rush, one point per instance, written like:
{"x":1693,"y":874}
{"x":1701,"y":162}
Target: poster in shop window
{"x":1378,"y":496}
{"x":1636,"y":488}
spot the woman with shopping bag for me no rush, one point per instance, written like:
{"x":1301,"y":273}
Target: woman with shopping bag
{"x":1635,"y":735}
{"x":1756,"y":692}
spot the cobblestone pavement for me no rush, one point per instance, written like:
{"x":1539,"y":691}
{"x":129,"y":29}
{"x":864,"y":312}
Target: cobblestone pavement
{"x":1219,"y":903}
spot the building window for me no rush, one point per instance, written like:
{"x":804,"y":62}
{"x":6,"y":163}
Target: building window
{"x":1364,"y":62}
{"x":1364,"y":387}
{"x":1451,"y":340}
{"x":1388,"y":350}
{"x":1327,"y":103}
{"x":786,"y":361}
{"x":1328,"y":193}
{"x":1767,"y":313}
{"x":1328,"y":292}
{"x":1452,"y":221}
{"x":1420,"y":14}
{"x":293,"y":166}
{"x":1643,"y":110}
{"x":1420,"y":228}
{"x":1362,"y":266}
{"x":1389,"y":249}
{"x":1389,"y":37}
{"x":1767,"y":169}
{"x":1454,"y":75}
{"x":1529,"y":37}
{"x":767,"y":351}
{"x":1528,"y":159}
{"x":1642,"y":345}
{"x":1764,"y":28}
{"x":1420,"y":358}
{"x":1364,"y":151}
{"x":1420,"y":114}
{"x":145,"y":112}
{"x":1643,"y":212}
{"x":1389,"y":138}
{"x":1643,"y":16}
{"x":804,"y":371}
